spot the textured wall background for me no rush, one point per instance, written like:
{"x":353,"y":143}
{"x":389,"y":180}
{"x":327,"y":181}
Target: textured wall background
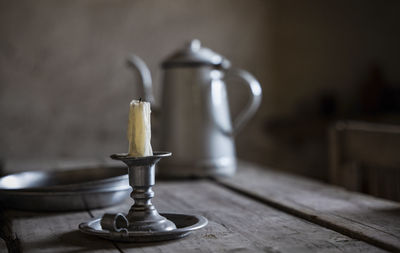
{"x":65,"y":87}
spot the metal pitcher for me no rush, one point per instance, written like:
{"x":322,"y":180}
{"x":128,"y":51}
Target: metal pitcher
{"x":196,"y":124}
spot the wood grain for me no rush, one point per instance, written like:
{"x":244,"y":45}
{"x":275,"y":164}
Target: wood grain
{"x":366,"y":218}
{"x":54,"y":232}
{"x":237,"y":224}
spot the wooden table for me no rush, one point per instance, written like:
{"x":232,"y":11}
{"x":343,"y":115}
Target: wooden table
{"x":257,"y":210}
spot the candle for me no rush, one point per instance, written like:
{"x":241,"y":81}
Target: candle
{"x":139,"y":129}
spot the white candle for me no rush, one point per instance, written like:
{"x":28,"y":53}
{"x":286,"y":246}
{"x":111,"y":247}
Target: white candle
{"x":139,"y":129}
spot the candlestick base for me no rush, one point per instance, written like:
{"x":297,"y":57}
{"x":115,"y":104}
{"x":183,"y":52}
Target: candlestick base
{"x":186,"y":223}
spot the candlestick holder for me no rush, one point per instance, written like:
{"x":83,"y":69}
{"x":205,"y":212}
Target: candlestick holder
{"x":143,"y":216}
{"x":143,"y":222}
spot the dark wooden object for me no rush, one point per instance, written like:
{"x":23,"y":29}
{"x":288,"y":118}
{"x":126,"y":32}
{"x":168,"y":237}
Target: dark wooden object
{"x":258,"y":210}
{"x":365,"y":157}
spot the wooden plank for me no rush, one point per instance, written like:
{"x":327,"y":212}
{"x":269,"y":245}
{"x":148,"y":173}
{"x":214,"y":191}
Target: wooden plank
{"x":237,"y":224}
{"x":51,"y":232}
{"x":363,"y":217}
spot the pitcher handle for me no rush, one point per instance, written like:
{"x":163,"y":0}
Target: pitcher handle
{"x":255,"y":98}
{"x":137,"y":63}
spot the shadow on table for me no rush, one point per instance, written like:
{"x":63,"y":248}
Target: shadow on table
{"x":73,"y":241}
{"x":89,"y":243}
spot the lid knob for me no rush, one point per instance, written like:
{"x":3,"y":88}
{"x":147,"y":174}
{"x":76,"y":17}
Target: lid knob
{"x":194,"y":45}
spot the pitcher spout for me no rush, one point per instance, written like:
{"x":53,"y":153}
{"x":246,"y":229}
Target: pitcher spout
{"x":140,"y":66}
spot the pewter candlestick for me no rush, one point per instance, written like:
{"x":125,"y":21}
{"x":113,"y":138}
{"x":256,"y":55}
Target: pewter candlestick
{"x":143,"y":216}
{"x":143,"y":223}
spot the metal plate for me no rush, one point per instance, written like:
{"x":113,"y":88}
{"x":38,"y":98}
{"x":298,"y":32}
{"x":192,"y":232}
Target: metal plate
{"x":64,"y":201}
{"x":77,"y":189}
{"x":185,"y":224}
{"x":66,"y":180}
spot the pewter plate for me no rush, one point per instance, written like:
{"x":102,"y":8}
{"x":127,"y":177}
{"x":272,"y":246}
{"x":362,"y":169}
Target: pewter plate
{"x":71,"y":190}
{"x":185,"y":223}
{"x":79,"y":179}
{"x":64,"y":201}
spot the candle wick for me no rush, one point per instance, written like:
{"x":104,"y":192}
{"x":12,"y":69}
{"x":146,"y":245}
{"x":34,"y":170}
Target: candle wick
{"x":140,"y":100}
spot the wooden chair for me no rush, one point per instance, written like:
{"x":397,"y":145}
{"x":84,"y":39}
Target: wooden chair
{"x":365,"y":157}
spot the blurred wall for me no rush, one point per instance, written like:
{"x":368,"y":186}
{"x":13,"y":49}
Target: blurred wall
{"x":329,"y":47}
{"x":65,"y":87}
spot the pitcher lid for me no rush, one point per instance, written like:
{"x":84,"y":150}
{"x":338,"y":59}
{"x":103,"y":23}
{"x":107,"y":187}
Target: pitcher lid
{"x":194,"y":55}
